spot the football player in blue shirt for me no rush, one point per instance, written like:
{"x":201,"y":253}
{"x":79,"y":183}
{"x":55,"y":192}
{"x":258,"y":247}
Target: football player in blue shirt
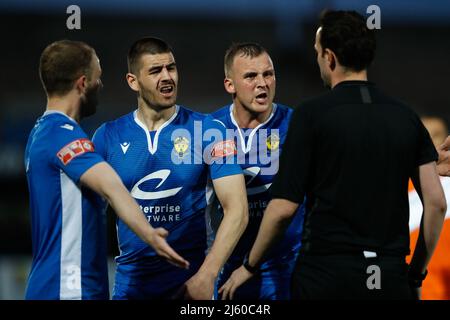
{"x":68,"y":223}
{"x":158,"y":151}
{"x":261,"y":127}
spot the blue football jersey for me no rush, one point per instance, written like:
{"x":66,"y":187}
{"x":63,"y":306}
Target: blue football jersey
{"x":258,"y":155}
{"x":168,"y":172}
{"x":68,"y":223}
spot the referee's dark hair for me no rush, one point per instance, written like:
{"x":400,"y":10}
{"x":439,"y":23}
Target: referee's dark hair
{"x":61,"y":63}
{"x":346,"y":34}
{"x":147,"y":45}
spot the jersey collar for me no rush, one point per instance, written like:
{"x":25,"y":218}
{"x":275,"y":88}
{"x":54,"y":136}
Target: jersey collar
{"x":48,"y":112}
{"x":153,"y":146}
{"x":246,"y":147}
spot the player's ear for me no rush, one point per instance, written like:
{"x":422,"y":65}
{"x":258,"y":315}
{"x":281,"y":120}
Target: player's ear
{"x":132,"y":81}
{"x":81,"y":84}
{"x":331,"y":59}
{"x":229,"y":86}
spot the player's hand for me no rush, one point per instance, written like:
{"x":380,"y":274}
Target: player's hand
{"x":237,"y":278}
{"x":199,"y":287}
{"x":443,"y":164}
{"x":162,"y":248}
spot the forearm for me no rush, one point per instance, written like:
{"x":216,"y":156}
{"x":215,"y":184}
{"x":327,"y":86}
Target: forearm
{"x":104,"y":180}
{"x":429,"y":188}
{"x":233,"y":224}
{"x":271,"y":230}
{"x":443,"y":163}
{"x":129,"y":212}
{"x":430,"y":229}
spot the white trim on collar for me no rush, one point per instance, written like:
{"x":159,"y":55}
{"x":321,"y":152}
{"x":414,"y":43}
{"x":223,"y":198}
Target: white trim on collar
{"x":152,"y":147}
{"x":47,"y":112}
{"x":246,"y":148}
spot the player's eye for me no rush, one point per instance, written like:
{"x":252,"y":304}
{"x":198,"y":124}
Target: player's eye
{"x":155,"y":71}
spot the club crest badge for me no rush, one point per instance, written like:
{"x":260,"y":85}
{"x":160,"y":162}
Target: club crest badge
{"x":181,"y":146}
{"x":273,"y":142}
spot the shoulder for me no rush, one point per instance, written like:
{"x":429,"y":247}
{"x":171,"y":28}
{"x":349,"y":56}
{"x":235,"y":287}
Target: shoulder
{"x":58,"y":136}
{"x":222,"y":113}
{"x":395,"y":103}
{"x":60,"y":128}
{"x":220,"y":117}
{"x":185,"y":112}
{"x":119,"y":122}
{"x":324,"y":99}
{"x":212,"y":122}
{"x":113,"y":127}
{"x":283,"y":110}
{"x":313,"y":108}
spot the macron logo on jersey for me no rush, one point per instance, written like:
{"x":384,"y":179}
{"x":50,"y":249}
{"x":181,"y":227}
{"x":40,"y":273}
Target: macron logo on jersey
{"x":74,"y":149}
{"x":147,"y":195}
{"x":124,"y":147}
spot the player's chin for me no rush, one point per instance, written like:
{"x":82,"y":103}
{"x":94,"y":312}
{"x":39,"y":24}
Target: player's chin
{"x":169,"y":97}
{"x":262,"y":106}
{"x":168,"y":102}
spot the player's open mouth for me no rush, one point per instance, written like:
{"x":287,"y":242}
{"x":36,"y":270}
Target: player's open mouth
{"x":262,"y":98}
{"x":167,"y":90}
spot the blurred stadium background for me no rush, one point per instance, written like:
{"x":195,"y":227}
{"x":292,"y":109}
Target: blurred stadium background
{"x":411,"y":64}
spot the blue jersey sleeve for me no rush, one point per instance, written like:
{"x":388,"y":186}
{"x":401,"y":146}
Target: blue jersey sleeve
{"x":219,"y":150}
{"x":72,"y":151}
{"x":99,"y":140}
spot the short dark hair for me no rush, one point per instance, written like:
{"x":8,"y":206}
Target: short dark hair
{"x":62,"y":62}
{"x":243,"y":49}
{"x":346,"y":34}
{"x":147,"y":45}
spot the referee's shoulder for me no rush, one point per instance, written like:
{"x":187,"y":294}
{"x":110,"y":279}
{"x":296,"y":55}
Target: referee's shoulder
{"x":314,"y":104}
{"x":393,"y":103}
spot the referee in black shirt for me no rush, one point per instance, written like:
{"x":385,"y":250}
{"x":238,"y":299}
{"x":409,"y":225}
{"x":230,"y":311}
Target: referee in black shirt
{"x":351,"y":152}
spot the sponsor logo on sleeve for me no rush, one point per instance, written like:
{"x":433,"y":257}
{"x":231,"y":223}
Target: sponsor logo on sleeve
{"x":74,"y":149}
{"x":224,"y":149}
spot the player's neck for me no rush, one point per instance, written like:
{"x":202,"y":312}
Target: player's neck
{"x":153,"y":118}
{"x":348,"y":76}
{"x":247,"y":119}
{"x":66,"y":104}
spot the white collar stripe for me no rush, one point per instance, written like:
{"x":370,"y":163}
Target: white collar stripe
{"x":47,"y":112}
{"x":246,"y":147}
{"x":152,"y":147}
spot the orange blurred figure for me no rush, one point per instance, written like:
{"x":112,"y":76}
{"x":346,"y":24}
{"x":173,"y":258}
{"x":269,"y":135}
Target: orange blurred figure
{"x":437,"y":284}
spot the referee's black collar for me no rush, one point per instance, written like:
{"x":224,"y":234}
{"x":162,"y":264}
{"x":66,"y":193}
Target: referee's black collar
{"x":353,"y":83}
